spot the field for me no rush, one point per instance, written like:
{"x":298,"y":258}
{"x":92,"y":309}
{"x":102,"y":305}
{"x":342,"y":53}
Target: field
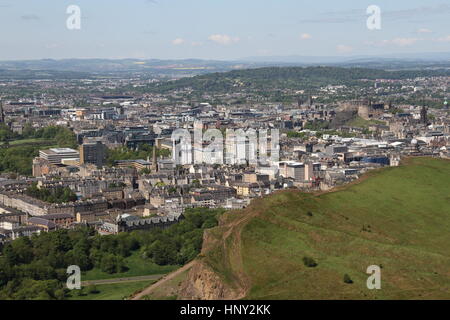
{"x":36,"y":141}
{"x":136,"y":267}
{"x":396,"y":218}
{"x":118,"y":291}
{"x":113,"y":291}
{"x":362,"y":123}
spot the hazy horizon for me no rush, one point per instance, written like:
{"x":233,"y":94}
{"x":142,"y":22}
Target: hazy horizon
{"x":432,"y":56}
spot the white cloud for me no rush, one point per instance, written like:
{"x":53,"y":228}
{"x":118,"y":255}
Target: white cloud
{"x":196,"y":44}
{"x":223,"y":39}
{"x":305,"y":36}
{"x":403,"y":42}
{"x":52,"y":46}
{"x":342,"y":48}
{"x":424,"y":30}
{"x":178,"y":41}
{"x":400,"y":42}
{"x":444,"y":39}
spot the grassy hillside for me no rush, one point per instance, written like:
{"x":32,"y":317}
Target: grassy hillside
{"x":362,"y":123}
{"x":397,"y":218}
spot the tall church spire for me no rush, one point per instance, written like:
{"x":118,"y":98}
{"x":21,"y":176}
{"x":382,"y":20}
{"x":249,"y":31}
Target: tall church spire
{"x":154,"y":160}
{"x":2,"y":114}
{"x":424,"y":115}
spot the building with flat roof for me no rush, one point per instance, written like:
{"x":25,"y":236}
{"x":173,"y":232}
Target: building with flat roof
{"x":56,"y":155}
{"x":138,"y":164}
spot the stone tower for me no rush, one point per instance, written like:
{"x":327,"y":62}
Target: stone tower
{"x":154,"y":160}
{"x":2,"y":114}
{"x":424,"y":115}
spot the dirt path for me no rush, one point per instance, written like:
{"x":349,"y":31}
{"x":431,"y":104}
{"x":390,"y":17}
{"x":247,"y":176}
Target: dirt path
{"x":235,"y":227}
{"x":161,"y":282}
{"x":121,"y":280}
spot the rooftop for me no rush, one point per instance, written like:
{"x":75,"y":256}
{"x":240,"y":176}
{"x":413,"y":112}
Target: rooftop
{"x":63,"y":150}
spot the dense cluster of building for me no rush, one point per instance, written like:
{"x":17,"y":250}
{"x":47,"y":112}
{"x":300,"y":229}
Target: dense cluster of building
{"x":155,"y":191}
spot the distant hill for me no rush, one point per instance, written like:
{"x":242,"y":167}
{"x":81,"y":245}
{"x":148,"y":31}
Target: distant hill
{"x":387,"y":61}
{"x":281,"y":78}
{"x":149,"y":67}
{"x":190,"y":67}
{"x":91,"y":68}
{"x":26,"y":74}
{"x":396,"y":218}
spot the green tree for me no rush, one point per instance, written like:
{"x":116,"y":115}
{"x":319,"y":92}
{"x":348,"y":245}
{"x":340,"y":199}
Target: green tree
{"x":111,"y":263}
{"x":347,"y":279}
{"x":309,"y":262}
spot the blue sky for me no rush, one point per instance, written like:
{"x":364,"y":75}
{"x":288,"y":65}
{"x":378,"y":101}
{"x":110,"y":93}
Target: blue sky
{"x":220,"y":29}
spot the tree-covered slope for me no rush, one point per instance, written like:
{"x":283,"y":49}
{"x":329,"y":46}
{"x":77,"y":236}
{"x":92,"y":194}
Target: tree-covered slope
{"x":285,"y":78}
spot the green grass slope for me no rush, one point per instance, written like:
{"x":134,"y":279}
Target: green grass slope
{"x":362,"y":123}
{"x":397,"y":218}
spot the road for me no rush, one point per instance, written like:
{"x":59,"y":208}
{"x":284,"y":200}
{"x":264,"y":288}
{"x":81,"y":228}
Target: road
{"x":162,"y":281}
{"x":121,"y":280}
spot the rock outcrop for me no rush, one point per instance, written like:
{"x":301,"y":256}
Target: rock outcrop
{"x":204,"y":284}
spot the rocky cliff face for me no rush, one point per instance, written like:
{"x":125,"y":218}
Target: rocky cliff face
{"x":204,"y":284}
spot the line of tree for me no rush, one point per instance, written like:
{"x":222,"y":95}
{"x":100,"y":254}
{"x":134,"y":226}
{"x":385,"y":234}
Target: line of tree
{"x":35,"y":267}
{"x":63,"y":136}
{"x":6,"y":134}
{"x":54,"y":195}
{"x":18,"y":158}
